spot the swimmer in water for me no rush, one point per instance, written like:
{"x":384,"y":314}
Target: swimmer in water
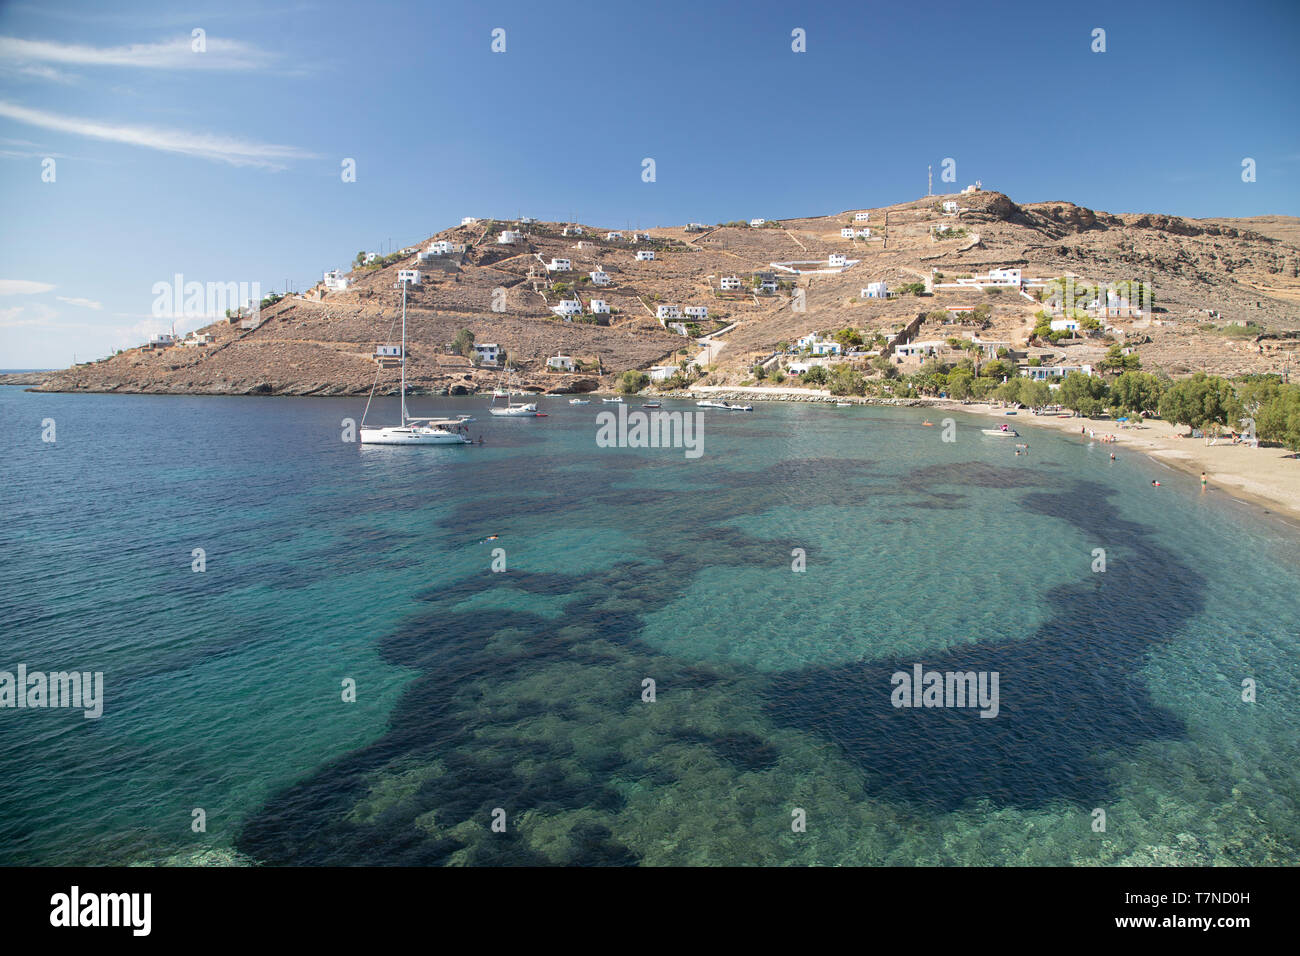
{"x":1155,"y":484}
{"x":1112,"y":456}
{"x":491,"y":537}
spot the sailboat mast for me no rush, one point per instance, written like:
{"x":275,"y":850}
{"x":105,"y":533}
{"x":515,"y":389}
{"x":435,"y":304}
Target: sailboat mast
{"x":403,"y":354}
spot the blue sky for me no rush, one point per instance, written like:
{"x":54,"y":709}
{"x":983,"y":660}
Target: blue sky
{"x":225,"y":165}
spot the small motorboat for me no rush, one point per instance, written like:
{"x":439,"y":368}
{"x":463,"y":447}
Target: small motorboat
{"x":843,"y":404}
{"x":652,"y":404}
{"x":724,"y":406}
{"x":579,"y":401}
{"x":928,"y":424}
{"x":1003,"y":432}
{"x":616,"y":400}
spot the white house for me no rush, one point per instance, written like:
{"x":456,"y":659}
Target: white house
{"x":509,"y":237}
{"x":568,"y":307}
{"x":696,"y":311}
{"x":370,"y":257}
{"x":611,"y":236}
{"x":950,"y":207}
{"x":864,"y":233}
{"x":469,"y":221}
{"x":335,"y":281}
{"x":755,"y":223}
{"x":197,"y":339}
{"x":730,"y":282}
{"x":645,"y":255}
{"x":1004,"y":276}
{"x":559,"y":265}
{"x":599,"y":307}
{"x":767,"y":284}
{"x":488,"y":352}
{"x":385,"y":352}
{"x":599,"y":277}
{"x":526,"y":220}
{"x":571,"y":231}
{"x":695,"y":227}
{"x":838,"y":260}
{"x":678,"y":327}
{"x":847,"y":232}
{"x":819,"y":346}
{"x":920,"y":349}
{"x":668,"y":312}
{"x":162,"y":340}
{"x":440,"y":248}
{"x":561,"y":363}
{"x":1065,"y":325}
{"x":876,"y":290}
{"x":408,"y":275}
{"x":862,"y":217}
{"x":661,"y":373}
{"x":1043,"y":372}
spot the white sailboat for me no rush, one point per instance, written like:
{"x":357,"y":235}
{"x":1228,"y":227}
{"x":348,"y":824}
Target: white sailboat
{"x":413,"y":431}
{"x":511,"y":409}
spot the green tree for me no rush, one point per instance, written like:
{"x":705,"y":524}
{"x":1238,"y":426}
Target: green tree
{"x":1137,"y":392}
{"x":846,"y":380}
{"x":816,"y":375}
{"x":959,"y":384}
{"x":1117,"y":361}
{"x":848,"y":337}
{"x":1034,"y":394}
{"x":1200,"y":401}
{"x":632,"y":381}
{"x":1278,"y":418}
{"x":464,"y":343}
{"x":1085,"y":394}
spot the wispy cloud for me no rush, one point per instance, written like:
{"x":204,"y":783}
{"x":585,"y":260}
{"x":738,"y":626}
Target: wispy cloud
{"x":23,"y":287}
{"x":85,"y":303}
{"x":219,"y":53}
{"x":204,"y":145}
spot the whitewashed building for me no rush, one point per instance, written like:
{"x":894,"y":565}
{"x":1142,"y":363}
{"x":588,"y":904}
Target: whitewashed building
{"x":526,"y":220}
{"x":387,"y":353}
{"x":950,"y":207}
{"x":408,"y":275}
{"x":559,"y":265}
{"x":755,"y":223}
{"x":197,"y":339}
{"x":599,"y":277}
{"x":599,"y":307}
{"x":661,"y":373}
{"x":695,"y":227}
{"x":568,"y":307}
{"x":696,"y":311}
{"x":469,"y":221}
{"x":668,"y":312}
{"x":847,"y":232}
{"x":440,"y":248}
{"x":645,"y":255}
{"x":1043,"y":372}
{"x":161,"y":340}
{"x":571,"y":231}
{"x":1065,"y":325}
{"x":730,"y":282}
{"x":862,"y":217}
{"x":335,"y":281}
{"x":489,"y":353}
{"x":876,"y":290}
{"x":767,"y":284}
{"x":612,"y":236}
{"x":1004,"y":276}
{"x":370,"y":257}
{"x":509,"y":237}
{"x":864,"y":233}
{"x":837,"y":260}
{"x":560,"y":363}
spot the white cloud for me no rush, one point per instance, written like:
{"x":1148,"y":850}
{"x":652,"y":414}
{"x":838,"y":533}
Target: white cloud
{"x":177,"y":54}
{"x":23,"y":287}
{"x":36,"y":315}
{"x":204,"y":145}
{"x":87,"y":303}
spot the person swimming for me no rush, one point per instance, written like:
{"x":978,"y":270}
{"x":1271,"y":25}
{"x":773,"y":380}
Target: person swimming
{"x":1155,"y":484}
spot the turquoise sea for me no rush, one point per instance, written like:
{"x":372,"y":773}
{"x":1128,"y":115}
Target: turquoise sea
{"x":1120,"y":691}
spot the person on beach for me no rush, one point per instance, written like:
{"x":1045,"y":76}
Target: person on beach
{"x":1202,"y":481}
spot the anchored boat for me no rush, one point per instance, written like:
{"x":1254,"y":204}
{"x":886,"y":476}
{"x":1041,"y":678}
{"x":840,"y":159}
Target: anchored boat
{"x":413,"y":431}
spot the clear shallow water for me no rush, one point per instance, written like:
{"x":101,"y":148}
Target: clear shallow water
{"x":522,"y":690}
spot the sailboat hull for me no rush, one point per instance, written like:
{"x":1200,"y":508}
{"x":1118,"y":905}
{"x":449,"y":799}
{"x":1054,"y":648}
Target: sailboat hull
{"x":396,"y":435}
{"x":513,"y":411}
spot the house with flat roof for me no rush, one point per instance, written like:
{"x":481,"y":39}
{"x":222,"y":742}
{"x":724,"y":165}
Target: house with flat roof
{"x":568,"y":307}
{"x":730,"y":283}
{"x":862,"y":217}
{"x":876,"y":290}
{"x":408,"y":275}
{"x":560,"y":363}
{"x":599,"y":276}
{"x":645,"y":255}
{"x":559,"y":265}
{"x":599,"y":307}
{"x":489,"y":353}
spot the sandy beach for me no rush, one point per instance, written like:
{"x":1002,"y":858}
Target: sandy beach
{"x":1263,"y":476}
